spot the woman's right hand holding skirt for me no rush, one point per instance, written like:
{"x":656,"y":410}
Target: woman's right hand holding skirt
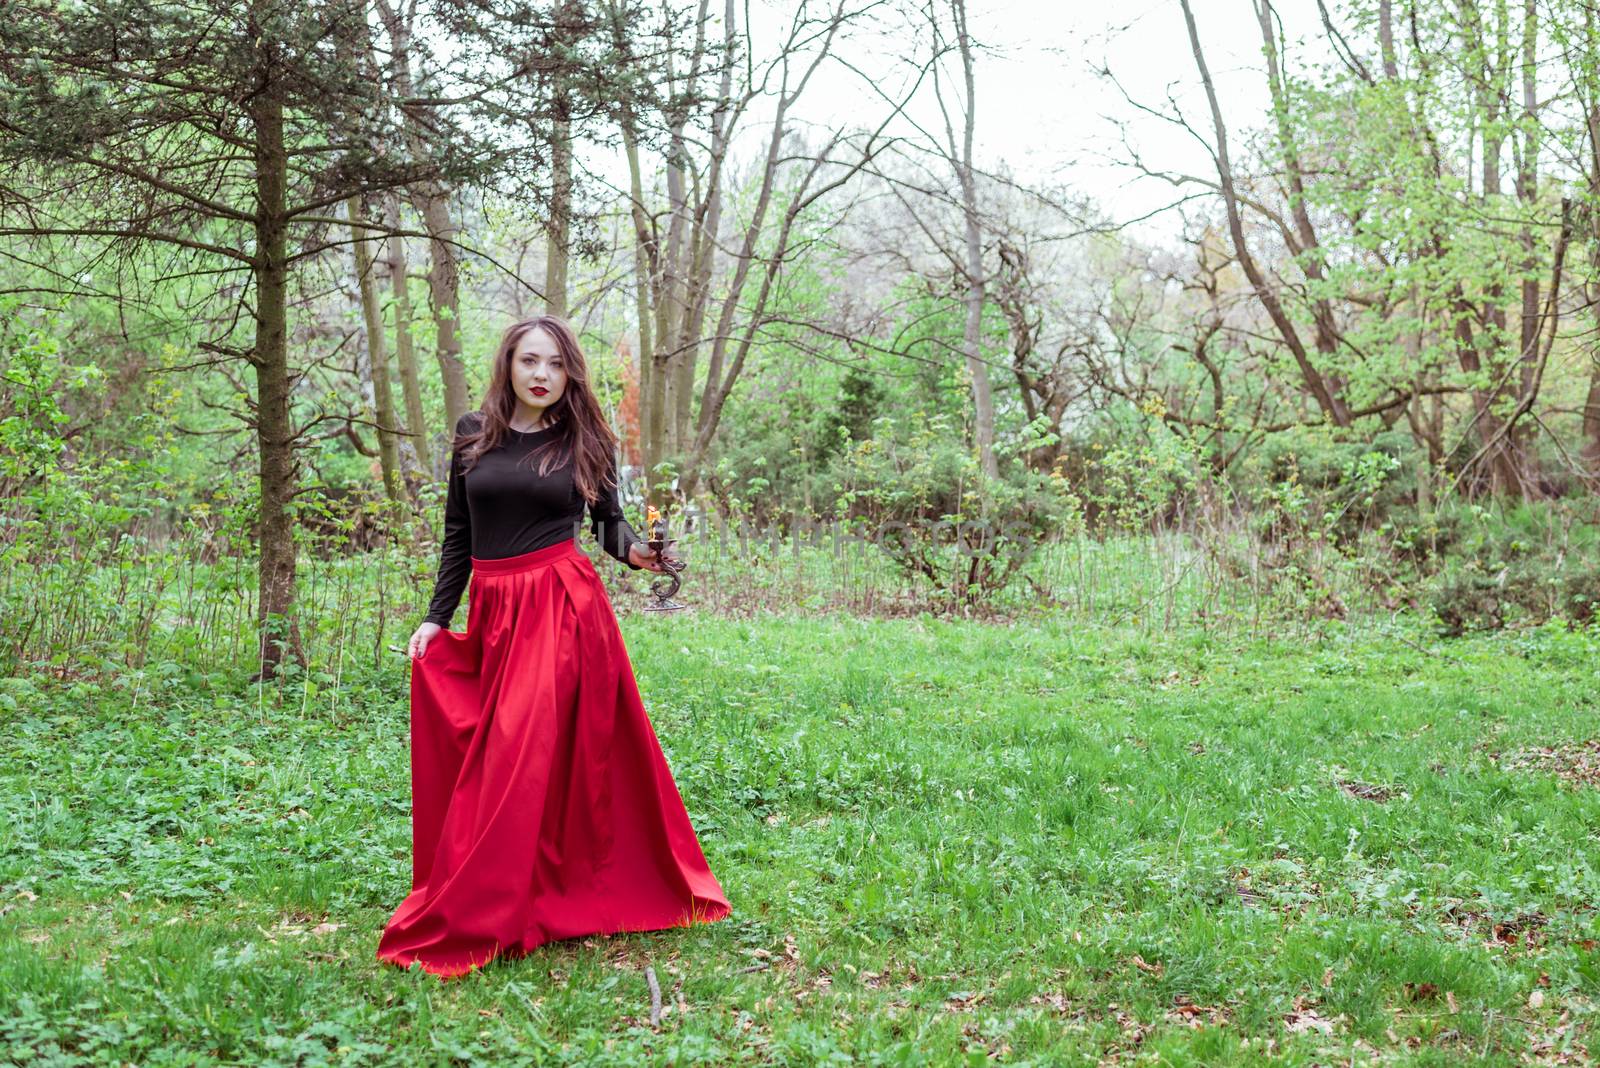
{"x":420,"y":639}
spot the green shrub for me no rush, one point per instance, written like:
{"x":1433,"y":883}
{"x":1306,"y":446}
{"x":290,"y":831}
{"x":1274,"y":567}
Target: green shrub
{"x":1521,"y":565}
{"x":918,"y":492}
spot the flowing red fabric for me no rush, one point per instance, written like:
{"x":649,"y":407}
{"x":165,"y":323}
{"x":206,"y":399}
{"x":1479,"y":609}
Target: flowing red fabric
{"x":542,"y":805}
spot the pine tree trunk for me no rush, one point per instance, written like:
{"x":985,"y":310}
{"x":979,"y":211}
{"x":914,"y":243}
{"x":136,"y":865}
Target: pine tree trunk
{"x":559,"y":231}
{"x":279,"y":631}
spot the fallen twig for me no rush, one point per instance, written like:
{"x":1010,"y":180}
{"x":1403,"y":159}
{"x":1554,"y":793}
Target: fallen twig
{"x":655,"y":996}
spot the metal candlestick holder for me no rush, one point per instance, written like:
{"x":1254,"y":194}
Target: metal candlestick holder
{"x":664,"y":588}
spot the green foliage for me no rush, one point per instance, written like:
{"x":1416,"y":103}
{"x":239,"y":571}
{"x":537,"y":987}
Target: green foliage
{"x":1519,"y":566}
{"x":32,"y":418}
{"x":916,"y":489}
{"x":861,"y":400}
{"x":1132,"y":480}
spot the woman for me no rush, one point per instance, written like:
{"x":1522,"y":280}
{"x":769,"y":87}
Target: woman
{"x":542,"y":807}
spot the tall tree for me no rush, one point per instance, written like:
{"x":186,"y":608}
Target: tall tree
{"x":1409,"y":275}
{"x":229,"y":132}
{"x":377,"y":350}
{"x":686,"y":307}
{"x":427,"y":133}
{"x":972,"y":264}
{"x":1315,"y":380}
{"x":416,"y":439}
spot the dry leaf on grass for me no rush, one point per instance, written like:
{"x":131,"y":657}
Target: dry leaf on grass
{"x":1133,"y":1031}
{"x":965,"y":1000}
{"x":1189,"y":1014}
{"x":1303,"y":1018}
{"x":1054,"y":1002}
{"x":1577,"y":763}
{"x":1557,"y":1045}
{"x":1368,"y":791}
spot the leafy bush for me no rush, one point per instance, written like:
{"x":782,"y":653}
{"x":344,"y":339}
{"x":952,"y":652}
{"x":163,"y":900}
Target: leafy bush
{"x":1522,"y":565}
{"x":917,"y":491}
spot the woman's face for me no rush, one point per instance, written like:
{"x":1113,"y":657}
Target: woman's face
{"x":538,"y":374}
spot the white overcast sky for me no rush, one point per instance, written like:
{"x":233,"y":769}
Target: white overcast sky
{"x":1041,"y":108}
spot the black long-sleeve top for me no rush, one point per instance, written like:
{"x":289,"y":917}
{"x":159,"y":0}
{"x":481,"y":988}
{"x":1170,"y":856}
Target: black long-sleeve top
{"x":502,"y":507}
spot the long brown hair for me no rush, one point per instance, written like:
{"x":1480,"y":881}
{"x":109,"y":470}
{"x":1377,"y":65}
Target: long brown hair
{"x":582,"y":431}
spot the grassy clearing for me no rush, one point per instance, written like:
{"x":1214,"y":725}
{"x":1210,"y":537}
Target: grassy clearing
{"x":945,"y":843}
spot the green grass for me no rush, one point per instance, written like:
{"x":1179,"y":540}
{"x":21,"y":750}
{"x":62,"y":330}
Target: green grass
{"x":945,"y":843}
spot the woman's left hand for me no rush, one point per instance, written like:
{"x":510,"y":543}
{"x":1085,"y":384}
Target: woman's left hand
{"x":643,"y":556}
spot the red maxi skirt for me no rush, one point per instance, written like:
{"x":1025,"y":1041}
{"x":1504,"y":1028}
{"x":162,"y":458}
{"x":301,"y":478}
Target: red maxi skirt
{"x":542,"y":806}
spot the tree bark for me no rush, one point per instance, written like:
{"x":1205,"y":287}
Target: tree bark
{"x":377,"y":354}
{"x":676,"y":270}
{"x":416,"y":438}
{"x":1505,"y":470}
{"x":703,"y":237}
{"x":670,"y":307}
{"x":444,"y":299}
{"x":432,"y":202}
{"x":1527,"y":189}
{"x":715,"y":393}
{"x":1314,"y":382}
{"x":673,"y":342}
{"x":972,"y":334}
{"x":643,"y":286}
{"x":1391,"y":69}
{"x":1325,"y":332}
{"x":279,"y":630}
{"x":1589,"y":447}
{"x":559,"y":231}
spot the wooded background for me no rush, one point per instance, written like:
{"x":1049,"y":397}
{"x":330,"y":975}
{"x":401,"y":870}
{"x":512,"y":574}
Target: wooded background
{"x":254,"y":258}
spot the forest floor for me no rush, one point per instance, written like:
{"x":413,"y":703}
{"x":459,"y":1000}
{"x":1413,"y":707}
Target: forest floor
{"x":945,"y":843}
